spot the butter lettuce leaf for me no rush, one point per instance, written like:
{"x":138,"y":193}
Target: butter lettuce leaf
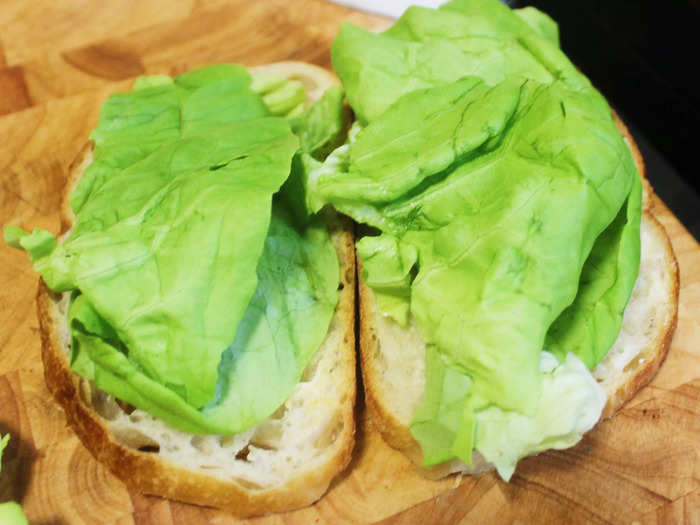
{"x":433,"y":47}
{"x":502,"y":228}
{"x":166,"y":249}
{"x":570,"y":404}
{"x":320,"y":128}
{"x":283,"y":325}
{"x":285,"y":322}
{"x":482,"y":149}
{"x":188,"y":283}
{"x":540,"y":22}
{"x":589,"y":326}
{"x":387,"y":266}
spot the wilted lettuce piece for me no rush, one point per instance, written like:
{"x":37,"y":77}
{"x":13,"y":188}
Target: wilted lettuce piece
{"x":589,"y":326}
{"x":570,"y":405}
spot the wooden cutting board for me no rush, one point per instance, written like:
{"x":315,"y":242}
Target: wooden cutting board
{"x":58,"y":62}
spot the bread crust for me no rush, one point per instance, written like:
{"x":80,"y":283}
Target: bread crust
{"x":395,"y":433}
{"x":643,"y":370}
{"x":640,"y":372}
{"x":147,"y":472}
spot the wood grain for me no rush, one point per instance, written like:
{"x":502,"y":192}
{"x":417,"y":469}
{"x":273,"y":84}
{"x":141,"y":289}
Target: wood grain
{"x":640,"y":467}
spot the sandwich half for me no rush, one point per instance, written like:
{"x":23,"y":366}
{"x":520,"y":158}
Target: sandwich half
{"x":287,"y":457}
{"x":393,"y":357}
{"x":507,"y":222}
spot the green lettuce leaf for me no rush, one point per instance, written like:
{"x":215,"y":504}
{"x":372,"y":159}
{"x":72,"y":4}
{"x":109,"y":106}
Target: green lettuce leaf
{"x":502,"y":226}
{"x":321,"y":128}
{"x":570,"y":404}
{"x":283,"y":97}
{"x":540,"y":22}
{"x":589,"y":326}
{"x":387,"y":266}
{"x":428,"y":47}
{"x":188,"y":282}
{"x":193,"y":213}
{"x":283,"y":325}
{"x":486,"y":153}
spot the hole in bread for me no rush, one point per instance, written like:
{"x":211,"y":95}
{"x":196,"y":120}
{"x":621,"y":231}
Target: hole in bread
{"x":126,"y":407}
{"x":634,"y":364}
{"x":149,"y":448}
{"x":202,"y":444}
{"x":129,"y":436}
{"x":105,"y":405}
{"x":242,"y":455}
{"x":330,"y":434}
{"x":227,"y":441}
{"x":263,"y":445}
{"x":341,"y":286}
{"x":268,"y":435}
{"x":279,"y":413}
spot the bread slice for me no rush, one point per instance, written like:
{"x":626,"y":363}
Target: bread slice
{"x":284,"y":462}
{"x":393,"y":358}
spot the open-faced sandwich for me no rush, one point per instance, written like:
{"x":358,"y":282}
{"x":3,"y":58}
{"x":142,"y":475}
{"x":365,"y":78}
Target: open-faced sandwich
{"x":514,"y":285}
{"x":197,"y":327}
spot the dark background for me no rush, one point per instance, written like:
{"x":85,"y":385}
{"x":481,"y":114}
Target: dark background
{"x":644,"y":56}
